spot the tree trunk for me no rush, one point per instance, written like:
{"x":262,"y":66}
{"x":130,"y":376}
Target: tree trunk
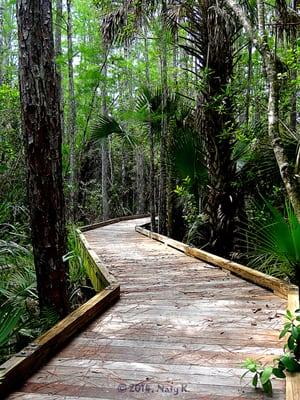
{"x":104,"y":153}
{"x":140,"y":180}
{"x":260,"y":40}
{"x":152,"y":177}
{"x":151,"y":143}
{"x":162,"y":220}
{"x":58,"y":53}
{"x":123,"y":180}
{"x":111,"y":161}
{"x":104,"y":157}
{"x":291,"y":182}
{"x":42,"y":137}
{"x":211,"y":49}
{"x":249,"y":77}
{"x":175,"y":59}
{"x":293,"y":77}
{"x":173,"y":214}
{"x":72,"y":113}
{"x":9,"y":67}
{"x":1,"y":43}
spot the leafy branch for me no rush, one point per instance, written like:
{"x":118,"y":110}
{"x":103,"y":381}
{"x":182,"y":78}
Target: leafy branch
{"x":288,"y":362}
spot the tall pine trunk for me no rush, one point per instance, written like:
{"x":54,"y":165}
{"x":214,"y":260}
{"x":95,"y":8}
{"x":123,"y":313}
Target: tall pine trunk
{"x":173,"y":213}
{"x":140,"y":180}
{"x":290,"y":180}
{"x":72,"y":112}
{"x":58,"y":54}
{"x":42,"y":137}
{"x":1,"y":43}
{"x":151,"y":144}
{"x":293,"y":77}
{"x":104,"y":152}
{"x":162,"y":217}
{"x":249,"y":77}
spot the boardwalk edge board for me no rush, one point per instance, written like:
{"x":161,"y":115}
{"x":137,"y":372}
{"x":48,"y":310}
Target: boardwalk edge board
{"x":280,"y":288}
{"x":98,"y":273}
{"x":25,"y":363}
{"x":293,"y":380}
{"x":21,"y":366}
{"x":112,"y":221}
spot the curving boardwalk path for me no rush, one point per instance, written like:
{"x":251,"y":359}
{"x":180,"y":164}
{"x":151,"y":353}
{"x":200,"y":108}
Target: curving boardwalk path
{"x":180,"y":330}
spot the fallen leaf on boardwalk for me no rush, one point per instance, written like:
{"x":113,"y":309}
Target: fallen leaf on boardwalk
{"x":255,"y":310}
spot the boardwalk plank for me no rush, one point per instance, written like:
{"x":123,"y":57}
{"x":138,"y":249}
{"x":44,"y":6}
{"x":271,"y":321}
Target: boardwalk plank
{"x":178,"y":321}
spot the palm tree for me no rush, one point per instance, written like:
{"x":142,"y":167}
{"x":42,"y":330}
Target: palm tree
{"x":149,"y":111}
{"x":212,"y":31}
{"x":112,"y":30}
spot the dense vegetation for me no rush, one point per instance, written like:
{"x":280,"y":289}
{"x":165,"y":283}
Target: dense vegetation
{"x":188,"y":110}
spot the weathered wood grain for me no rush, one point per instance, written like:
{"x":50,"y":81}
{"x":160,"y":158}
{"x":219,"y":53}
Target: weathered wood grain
{"x":17,"y":368}
{"x":111,"y":221}
{"x":278,"y":286}
{"x":179,"y":321}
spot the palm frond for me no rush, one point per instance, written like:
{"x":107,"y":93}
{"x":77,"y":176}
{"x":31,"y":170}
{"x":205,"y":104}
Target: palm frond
{"x":9,"y":319}
{"x":188,"y":160}
{"x":275,"y":239}
{"x":121,"y":25}
{"x":21,"y":285}
{"x":287,"y":19}
{"x":105,"y":126}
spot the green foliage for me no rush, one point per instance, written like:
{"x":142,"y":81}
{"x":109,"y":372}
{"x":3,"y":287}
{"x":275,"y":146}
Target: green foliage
{"x":273,"y":241}
{"x":262,"y":375}
{"x":12,"y":173}
{"x":8,"y":323}
{"x":193,"y":219}
{"x":148,"y":108}
{"x":77,"y":271}
{"x":19,"y":304}
{"x":104,"y":127}
{"x":187,"y":148}
{"x":20,"y":317}
{"x":80,"y":286}
{"x":288,"y":362}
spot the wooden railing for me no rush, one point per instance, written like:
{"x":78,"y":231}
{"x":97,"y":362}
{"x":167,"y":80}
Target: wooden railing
{"x":279,"y":287}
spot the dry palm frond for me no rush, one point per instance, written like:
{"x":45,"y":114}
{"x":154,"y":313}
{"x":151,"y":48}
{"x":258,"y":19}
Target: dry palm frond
{"x":121,"y":24}
{"x":288,"y":20}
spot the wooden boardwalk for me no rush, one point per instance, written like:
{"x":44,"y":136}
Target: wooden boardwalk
{"x":180,"y":330}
